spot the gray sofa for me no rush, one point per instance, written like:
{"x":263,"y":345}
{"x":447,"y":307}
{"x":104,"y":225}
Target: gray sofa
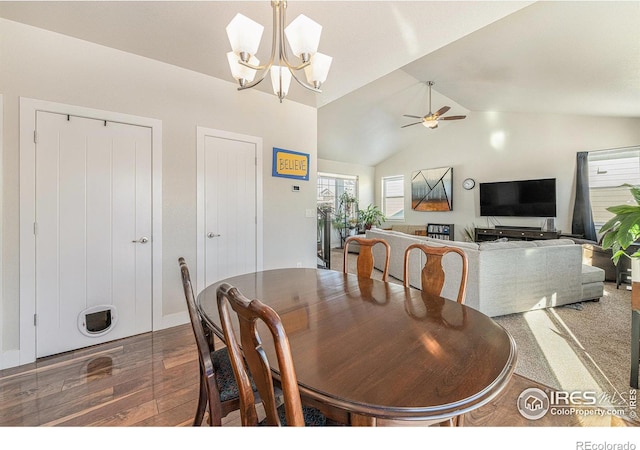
{"x":503,"y":277}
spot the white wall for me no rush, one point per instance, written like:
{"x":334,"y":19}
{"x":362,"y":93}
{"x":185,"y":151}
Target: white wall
{"x":47,"y":66}
{"x":506,"y":146}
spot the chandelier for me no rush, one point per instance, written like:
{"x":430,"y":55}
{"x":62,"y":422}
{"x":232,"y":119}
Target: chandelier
{"x":303,"y":35}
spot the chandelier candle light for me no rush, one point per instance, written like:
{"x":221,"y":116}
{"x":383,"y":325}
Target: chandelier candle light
{"x":303,"y":35}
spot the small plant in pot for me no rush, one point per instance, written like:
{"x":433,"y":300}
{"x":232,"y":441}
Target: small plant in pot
{"x":372,"y":216}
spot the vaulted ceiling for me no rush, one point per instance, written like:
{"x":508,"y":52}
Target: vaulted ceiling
{"x":549,"y":57}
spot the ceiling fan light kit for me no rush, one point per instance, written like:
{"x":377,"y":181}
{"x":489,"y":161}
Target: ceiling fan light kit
{"x":431,"y":119}
{"x":303,"y":36}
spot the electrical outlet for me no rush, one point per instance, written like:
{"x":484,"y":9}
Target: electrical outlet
{"x":298,"y":264}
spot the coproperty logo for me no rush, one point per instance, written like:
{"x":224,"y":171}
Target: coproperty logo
{"x":534,"y":403}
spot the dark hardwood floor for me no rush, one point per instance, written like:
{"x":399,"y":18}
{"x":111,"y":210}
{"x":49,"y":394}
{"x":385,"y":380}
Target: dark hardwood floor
{"x":152,"y":380}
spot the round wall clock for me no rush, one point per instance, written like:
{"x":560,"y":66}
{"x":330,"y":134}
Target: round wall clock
{"x":469,"y":183}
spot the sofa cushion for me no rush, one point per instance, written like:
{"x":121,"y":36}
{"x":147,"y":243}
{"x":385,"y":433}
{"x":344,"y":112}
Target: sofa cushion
{"x":459,"y":244}
{"x":592,"y":291}
{"x":591,"y":274}
{"x":595,"y":255}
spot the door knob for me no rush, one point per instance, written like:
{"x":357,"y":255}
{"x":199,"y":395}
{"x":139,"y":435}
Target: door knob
{"x":211,"y":235}
{"x":142,"y":240}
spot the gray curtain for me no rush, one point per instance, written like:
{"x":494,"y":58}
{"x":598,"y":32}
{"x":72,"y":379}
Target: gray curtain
{"x":582,"y":216}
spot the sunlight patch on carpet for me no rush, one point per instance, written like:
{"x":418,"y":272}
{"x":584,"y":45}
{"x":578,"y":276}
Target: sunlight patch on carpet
{"x":562,"y":359}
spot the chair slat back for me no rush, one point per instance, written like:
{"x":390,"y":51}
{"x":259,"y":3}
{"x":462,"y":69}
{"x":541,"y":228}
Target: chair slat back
{"x":249,"y":313}
{"x":204,"y":347}
{"x":432,"y":275}
{"x":365,"y":260}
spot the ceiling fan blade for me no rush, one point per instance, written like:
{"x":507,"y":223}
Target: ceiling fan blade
{"x":452,"y":118}
{"x":441,"y":111}
{"x":413,"y":117}
{"x":408,"y":125}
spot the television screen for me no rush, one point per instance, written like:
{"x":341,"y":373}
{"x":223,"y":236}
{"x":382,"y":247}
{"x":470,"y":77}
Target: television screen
{"x":526,"y":198}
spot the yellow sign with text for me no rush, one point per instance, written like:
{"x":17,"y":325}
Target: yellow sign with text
{"x":290,"y":164}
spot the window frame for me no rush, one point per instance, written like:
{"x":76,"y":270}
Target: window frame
{"x":607,"y":189}
{"x":385,"y":180}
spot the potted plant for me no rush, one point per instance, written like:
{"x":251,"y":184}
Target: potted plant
{"x":624,"y":229}
{"x":470,"y":233}
{"x":371,"y":216}
{"x":347,"y":210}
{"x":621,"y":232}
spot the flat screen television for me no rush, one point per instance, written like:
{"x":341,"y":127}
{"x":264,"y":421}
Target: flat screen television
{"x":525,"y":198}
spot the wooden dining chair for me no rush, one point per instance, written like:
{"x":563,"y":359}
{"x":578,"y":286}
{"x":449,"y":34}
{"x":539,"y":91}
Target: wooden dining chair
{"x":249,"y":313}
{"x":365,"y":261}
{"x":432,"y":275}
{"x":218,"y":388}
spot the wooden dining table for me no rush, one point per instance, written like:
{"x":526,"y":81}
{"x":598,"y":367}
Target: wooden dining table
{"x":377,"y":352}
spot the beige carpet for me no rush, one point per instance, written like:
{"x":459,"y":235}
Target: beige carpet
{"x":585,"y":346}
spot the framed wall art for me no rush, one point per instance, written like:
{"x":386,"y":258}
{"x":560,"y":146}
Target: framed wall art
{"x":431,"y":189}
{"x":290,"y":164}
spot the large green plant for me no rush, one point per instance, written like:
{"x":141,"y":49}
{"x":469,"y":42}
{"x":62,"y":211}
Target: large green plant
{"x":624,"y":228}
{"x":372,"y":216}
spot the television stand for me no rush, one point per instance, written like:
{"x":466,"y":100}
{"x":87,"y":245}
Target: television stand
{"x":514,"y":234}
{"x":508,"y":227}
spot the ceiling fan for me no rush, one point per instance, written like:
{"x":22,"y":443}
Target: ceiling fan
{"x":431,"y":119}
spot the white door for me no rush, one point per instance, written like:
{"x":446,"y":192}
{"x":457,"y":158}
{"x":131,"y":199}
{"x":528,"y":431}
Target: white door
{"x":228,"y":184}
{"x":93,"y":232}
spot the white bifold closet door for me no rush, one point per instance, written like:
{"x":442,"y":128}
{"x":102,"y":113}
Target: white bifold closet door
{"x":93,"y":231}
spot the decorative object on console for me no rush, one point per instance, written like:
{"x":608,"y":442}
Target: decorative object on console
{"x":303,"y":35}
{"x":431,"y":119}
{"x":621,"y":234}
{"x":431,"y":189}
{"x":548,"y":225}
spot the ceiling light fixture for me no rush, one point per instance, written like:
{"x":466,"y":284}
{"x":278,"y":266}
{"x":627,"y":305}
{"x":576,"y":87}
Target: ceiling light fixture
{"x":431,"y":119}
{"x":303,"y":35}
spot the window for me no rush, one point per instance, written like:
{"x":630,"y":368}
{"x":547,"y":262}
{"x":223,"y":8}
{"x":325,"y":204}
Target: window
{"x":393,"y":197}
{"x":332,"y":186}
{"x":609,"y":170}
